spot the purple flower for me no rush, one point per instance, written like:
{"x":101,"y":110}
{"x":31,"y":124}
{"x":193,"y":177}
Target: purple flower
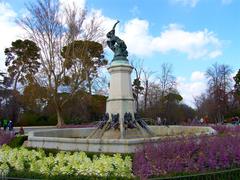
{"x":189,"y":154}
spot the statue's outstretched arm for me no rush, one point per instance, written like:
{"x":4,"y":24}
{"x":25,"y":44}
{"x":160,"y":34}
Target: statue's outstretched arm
{"x":115,"y":24}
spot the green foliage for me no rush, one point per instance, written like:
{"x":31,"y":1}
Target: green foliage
{"x":34,"y":97}
{"x":97,"y":106}
{"x":32,"y":175}
{"x":237,"y":83}
{"x":17,"y":141}
{"x":22,"y":65}
{"x":31,"y":118}
{"x":85,"y":57}
{"x":173,"y":97}
{"x":90,"y":53}
{"x":22,"y":61}
{"x":84,"y":108}
{"x":232,"y":113}
{"x":54,"y":152}
{"x":64,"y":164}
{"x":137,"y":87}
{"x":38,"y":111}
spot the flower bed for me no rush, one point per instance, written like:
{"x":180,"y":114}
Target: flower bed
{"x":168,"y":158}
{"x":189,"y":155}
{"x":233,"y":174}
{"x":5,"y":137}
{"x":63,"y":163}
{"x":227,"y":130}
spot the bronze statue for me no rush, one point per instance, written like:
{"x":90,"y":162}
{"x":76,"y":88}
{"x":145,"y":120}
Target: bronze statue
{"x":117,"y":45}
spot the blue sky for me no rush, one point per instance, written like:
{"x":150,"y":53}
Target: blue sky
{"x":189,"y":34}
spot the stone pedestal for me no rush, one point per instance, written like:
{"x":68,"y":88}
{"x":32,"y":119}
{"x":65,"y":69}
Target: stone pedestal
{"x":120,"y":102}
{"x":120,"y":98}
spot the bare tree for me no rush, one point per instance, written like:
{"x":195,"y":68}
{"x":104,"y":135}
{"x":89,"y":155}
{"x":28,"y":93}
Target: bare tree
{"x":166,"y":79}
{"x":167,"y":83}
{"x":51,"y":29}
{"x":219,"y":86}
{"x":146,"y":81}
{"x":153,"y":94}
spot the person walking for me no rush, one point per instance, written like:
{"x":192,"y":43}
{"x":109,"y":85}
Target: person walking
{"x":10,"y":125}
{"x":159,"y":121}
{"x":164,"y":121}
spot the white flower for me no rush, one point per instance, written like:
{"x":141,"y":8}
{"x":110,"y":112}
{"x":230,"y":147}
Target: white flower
{"x":4,"y":169}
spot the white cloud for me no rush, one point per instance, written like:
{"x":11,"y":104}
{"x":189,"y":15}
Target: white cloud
{"x":9,"y":30}
{"x":190,"y":89}
{"x":137,"y":37}
{"x":197,"y":76}
{"x":199,"y":44}
{"x":191,"y":3}
{"x":195,"y":44}
{"x":215,"y":54}
{"x":181,"y":79}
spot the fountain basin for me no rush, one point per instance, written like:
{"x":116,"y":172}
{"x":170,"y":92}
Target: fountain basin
{"x":75,"y":139}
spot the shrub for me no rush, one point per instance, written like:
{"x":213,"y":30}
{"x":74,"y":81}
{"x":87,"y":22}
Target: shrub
{"x":90,"y":155}
{"x":17,"y":141}
{"x":32,"y":175}
{"x":188,"y":155}
{"x":30,"y":118}
{"x":64,"y":163}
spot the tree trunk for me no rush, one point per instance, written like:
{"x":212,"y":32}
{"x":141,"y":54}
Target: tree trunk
{"x":14,"y":107}
{"x":59,"y":118}
{"x":89,"y":84}
{"x":146,"y":96}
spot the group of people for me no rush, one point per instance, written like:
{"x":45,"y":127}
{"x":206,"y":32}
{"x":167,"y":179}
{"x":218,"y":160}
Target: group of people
{"x":234,"y":120}
{"x":197,"y":121}
{"x":6,"y":124}
{"x":202,"y":120}
{"x":161,"y":121}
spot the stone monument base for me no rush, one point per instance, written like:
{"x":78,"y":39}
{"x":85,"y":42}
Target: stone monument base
{"x":74,"y":139}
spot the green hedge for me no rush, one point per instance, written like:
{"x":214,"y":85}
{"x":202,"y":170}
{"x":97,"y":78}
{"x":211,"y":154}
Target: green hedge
{"x":34,"y":119}
{"x":17,"y":141}
{"x":89,"y":154}
{"x":31,"y":175}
